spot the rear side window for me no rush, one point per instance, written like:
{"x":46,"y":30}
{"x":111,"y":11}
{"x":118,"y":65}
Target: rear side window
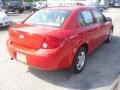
{"x":81,"y":20}
{"x":99,"y":16}
{"x":87,"y":16}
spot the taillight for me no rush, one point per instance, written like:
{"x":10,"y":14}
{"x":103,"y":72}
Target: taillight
{"x":50,"y":43}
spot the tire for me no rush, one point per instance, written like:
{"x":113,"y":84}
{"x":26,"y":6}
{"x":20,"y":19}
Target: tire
{"x":79,"y":60}
{"x":109,"y":39}
{"x":21,"y":11}
{"x":17,"y":11}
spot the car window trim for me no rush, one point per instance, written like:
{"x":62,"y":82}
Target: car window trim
{"x":84,"y":19}
{"x":79,"y":20}
{"x":96,"y":18}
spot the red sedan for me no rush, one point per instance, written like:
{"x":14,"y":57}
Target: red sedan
{"x":59,"y":37}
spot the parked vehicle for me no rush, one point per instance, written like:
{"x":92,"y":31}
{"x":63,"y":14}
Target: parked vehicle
{"x":16,"y":6}
{"x":4,"y":6}
{"x":36,"y":6}
{"x":4,"y":21}
{"x":97,"y":6}
{"x":39,"y":5}
{"x":28,"y":6}
{"x":105,"y":7}
{"x":117,"y":4}
{"x":59,"y":37}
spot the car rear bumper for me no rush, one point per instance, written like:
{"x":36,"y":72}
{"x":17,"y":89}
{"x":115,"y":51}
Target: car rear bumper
{"x":41,"y":59}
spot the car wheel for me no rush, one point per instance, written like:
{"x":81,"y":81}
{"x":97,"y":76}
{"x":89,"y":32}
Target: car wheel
{"x":21,"y":11}
{"x":16,"y":11}
{"x":79,"y":60}
{"x":109,"y":39}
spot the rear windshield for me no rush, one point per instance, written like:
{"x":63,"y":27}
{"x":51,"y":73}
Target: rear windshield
{"x":48,"y":17}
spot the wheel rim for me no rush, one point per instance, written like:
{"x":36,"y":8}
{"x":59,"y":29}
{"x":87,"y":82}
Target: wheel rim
{"x":110,"y":35}
{"x":81,"y":60}
{"x":16,"y":11}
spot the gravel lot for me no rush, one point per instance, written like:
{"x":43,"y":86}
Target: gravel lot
{"x":102,"y":68}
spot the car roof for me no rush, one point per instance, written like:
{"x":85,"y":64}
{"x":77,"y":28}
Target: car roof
{"x":69,"y":7}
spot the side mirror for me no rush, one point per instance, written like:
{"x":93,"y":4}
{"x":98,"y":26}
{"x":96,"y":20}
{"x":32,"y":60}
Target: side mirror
{"x":108,"y":19}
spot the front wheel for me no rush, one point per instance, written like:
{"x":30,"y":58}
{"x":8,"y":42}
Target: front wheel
{"x":79,"y":61}
{"x":109,"y":39}
{"x":16,"y":11}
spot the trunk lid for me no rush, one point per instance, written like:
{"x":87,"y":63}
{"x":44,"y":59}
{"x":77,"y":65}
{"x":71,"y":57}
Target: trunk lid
{"x":29,"y":36}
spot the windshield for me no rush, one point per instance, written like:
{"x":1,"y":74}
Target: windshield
{"x":13,"y":3}
{"x":48,"y":17}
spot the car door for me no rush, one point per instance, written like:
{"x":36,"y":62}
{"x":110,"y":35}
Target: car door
{"x":91,"y":29}
{"x":86,"y":30}
{"x":103,"y":26}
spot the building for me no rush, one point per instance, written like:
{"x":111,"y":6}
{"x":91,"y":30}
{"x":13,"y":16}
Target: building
{"x":71,"y":2}
{"x":104,"y":2}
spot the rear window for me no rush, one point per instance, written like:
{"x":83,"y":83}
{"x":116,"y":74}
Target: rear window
{"x":49,"y":17}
